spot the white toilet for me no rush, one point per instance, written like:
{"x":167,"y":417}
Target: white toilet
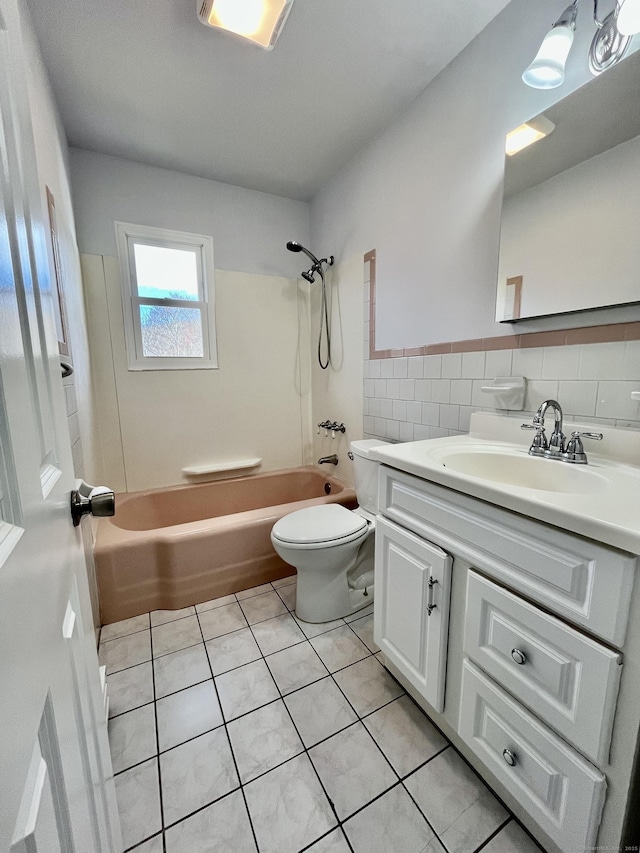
{"x":332,"y":547}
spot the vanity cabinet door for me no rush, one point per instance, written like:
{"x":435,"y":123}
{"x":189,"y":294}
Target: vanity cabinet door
{"x":411,"y":622}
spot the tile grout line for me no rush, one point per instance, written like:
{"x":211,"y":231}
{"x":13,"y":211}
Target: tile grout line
{"x":226,"y":731}
{"x":155,"y":718}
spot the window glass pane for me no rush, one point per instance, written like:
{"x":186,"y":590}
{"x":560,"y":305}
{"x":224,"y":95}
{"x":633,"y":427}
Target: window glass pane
{"x":163,"y":273}
{"x":171,"y":332}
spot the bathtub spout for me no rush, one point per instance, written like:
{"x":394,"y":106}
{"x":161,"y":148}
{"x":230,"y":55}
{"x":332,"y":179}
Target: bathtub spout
{"x":333,"y":460}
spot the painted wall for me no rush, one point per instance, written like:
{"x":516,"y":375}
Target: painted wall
{"x":53,"y":172}
{"x":152,"y":424}
{"x":426,"y":193}
{"x":249,"y":229}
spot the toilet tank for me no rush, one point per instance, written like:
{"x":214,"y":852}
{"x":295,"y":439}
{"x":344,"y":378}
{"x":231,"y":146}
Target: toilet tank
{"x":365,"y":473}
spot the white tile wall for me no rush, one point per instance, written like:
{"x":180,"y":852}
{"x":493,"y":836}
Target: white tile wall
{"x":591,"y":382}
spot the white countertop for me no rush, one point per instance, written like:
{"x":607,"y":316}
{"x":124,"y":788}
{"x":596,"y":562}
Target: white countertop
{"x":600,"y":500}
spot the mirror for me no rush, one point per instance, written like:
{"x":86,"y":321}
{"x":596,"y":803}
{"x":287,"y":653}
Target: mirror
{"x":570,"y":234}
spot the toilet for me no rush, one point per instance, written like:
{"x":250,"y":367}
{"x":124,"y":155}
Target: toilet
{"x":332,"y":547}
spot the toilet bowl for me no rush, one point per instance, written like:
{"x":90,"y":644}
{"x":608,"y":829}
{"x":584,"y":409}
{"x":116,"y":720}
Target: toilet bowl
{"x":332,"y":547}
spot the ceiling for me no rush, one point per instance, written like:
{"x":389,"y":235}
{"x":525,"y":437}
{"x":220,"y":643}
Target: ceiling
{"x":144,"y":80}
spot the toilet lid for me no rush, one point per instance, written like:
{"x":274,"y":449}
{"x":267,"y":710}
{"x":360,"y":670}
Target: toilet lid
{"x":318,"y":524}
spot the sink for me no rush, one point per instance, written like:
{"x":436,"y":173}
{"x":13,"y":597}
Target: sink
{"x":519,"y":469}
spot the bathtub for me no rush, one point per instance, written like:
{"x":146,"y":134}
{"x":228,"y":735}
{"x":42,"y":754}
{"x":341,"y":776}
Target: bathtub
{"x":170,"y":548}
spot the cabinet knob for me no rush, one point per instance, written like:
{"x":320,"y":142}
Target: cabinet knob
{"x":509,"y":757}
{"x":518,"y":656}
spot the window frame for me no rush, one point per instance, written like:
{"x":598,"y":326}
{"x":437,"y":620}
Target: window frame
{"x":127,"y":235}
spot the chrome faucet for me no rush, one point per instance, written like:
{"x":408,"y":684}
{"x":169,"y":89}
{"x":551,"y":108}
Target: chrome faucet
{"x":332,"y":460}
{"x":555,"y":447}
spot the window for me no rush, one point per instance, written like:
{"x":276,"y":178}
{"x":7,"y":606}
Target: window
{"x":167,"y":295}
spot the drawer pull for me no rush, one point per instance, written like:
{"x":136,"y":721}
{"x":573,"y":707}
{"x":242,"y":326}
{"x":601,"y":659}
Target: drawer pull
{"x":430,"y":605}
{"x":509,"y":757}
{"x":518,"y":656}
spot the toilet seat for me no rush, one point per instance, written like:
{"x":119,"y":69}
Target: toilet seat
{"x":323,"y":526}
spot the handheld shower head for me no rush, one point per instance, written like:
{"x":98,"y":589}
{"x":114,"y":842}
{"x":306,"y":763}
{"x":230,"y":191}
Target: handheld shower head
{"x":294,"y":246}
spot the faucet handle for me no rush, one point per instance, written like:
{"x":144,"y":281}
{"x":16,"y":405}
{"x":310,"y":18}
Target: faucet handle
{"x":528,"y":426}
{"x":575,"y":450}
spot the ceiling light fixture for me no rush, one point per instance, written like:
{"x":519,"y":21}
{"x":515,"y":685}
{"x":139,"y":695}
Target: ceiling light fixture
{"x":528,"y":133}
{"x":259,"y":21}
{"x":628,"y":17}
{"x":609,"y":44}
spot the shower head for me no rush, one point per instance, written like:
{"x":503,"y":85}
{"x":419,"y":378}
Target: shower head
{"x":309,"y":276}
{"x":294,"y":246}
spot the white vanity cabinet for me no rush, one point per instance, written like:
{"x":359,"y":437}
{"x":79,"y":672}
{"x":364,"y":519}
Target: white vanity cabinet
{"x":411,"y":608}
{"x":534,"y":656}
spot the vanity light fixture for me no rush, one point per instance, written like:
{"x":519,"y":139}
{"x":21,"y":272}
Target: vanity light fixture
{"x":259,"y":21}
{"x":528,"y":133}
{"x":628,"y":17}
{"x":609,"y":44}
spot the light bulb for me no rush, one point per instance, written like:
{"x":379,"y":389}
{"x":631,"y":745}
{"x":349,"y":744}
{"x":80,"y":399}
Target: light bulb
{"x":547,"y":69}
{"x":628,"y":17}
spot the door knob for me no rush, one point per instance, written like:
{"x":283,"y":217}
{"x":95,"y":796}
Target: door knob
{"x":101,"y":505}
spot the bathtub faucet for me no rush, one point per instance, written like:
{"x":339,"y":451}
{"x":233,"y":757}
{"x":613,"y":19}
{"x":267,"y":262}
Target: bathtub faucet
{"x":333,"y":460}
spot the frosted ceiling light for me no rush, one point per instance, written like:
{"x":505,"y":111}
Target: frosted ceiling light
{"x":259,"y":21}
{"x":628,"y":17}
{"x":547,"y":69}
{"x":528,"y":133}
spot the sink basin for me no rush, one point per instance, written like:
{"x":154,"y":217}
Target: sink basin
{"x":524,"y":471}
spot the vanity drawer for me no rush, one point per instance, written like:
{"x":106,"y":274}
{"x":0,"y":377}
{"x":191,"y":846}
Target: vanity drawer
{"x":581,"y":580}
{"x":561,"y":791}
{"x":567,"y":679}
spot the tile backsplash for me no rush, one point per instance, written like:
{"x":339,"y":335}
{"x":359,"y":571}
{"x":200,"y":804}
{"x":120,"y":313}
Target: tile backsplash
{"x":410,"y":397}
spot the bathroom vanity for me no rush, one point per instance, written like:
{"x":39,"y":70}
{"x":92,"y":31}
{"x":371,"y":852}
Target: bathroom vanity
{"x":506,"y":604}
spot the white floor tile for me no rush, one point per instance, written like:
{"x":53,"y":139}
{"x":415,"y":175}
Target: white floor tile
{"x":263,"y":739}
{"x":221,"y":620}
{"x":288,"y":807}
{"x":195,"y":774}
{"x":153,"y":845}
{"x":512,"y":839}
{"x":390,"y":823}
{"x":232,"y":650}
{"x":221,"y":828}
{"x":296,"y":667}
{"x":359,"y":613}
{"x":161,"y":617}
{"x":125,"y":652}
{"x":130,"y":688}
{"x":181,"y":669}
{"x":455,"y":801}
{"x":255,"y":590}
{"x":313,"y":629}
{"x":186,"y":714}
{"x":364,"y":629}
{"x":319,"y":711}
{"x":352,"y":769}
{"x":138,"y":795}
{"x":262,"y":607}
{"x":367,"y":685}
{"x":277,"y":634}
{"x":284,"y":581}
{"x":245,"y":689}
{"x":333,"y":843}
{"x":288,"y":596}
{"x":126,"y":626}
{"x":173,"y":636}
{"x":132,"y":737}
{"x":405,"y":735}
{"x":339,"y":648}
{"x":215,"y":602}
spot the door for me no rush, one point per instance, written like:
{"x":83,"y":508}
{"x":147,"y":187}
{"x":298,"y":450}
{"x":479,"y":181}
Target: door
{"x":411,"y":620}
{"x":56,"y":787}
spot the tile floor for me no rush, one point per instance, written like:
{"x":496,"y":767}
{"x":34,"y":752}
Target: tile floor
{"x":236,"y":727}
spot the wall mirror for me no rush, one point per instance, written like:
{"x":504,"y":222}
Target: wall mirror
{"x":570,"y":234}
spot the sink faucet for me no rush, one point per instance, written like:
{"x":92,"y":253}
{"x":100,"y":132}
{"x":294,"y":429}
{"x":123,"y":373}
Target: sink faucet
{"x":555,"y":447}
{"x":332,"y":460}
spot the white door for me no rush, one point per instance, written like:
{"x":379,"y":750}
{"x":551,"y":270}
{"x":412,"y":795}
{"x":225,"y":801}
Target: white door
{"x":411,"y":619}
{"x":56,"y":787}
